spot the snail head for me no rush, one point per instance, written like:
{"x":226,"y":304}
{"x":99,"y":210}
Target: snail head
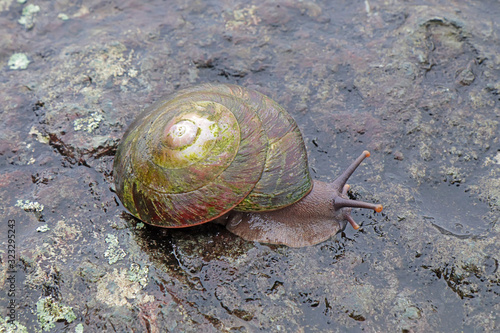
{"x":321,"y":214}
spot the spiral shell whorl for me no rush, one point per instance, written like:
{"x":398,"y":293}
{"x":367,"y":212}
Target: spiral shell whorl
{"x":194,"y":156}
{"x":181,"y":134}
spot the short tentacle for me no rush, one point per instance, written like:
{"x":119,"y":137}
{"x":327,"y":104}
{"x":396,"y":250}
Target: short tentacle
{"x":340,"y":202}
{"x":349,"y":219}
{"x":345,"y":189}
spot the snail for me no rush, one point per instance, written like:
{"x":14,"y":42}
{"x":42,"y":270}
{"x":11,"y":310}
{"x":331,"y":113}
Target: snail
{"x":224,"y":153}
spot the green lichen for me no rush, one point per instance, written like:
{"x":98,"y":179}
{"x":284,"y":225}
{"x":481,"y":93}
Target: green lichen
{"x":14,"y":327}
{"x":138,"y":274}
{"x":28,"y":16}
{"x":63,"y":16}
{"x":88,"y":124}
{"x":244,"y":17}
{"x":497,"y":158}
{"x":114,"y":252}
{"x":49,"y":311}
{"x":42,"y":138}
{"x":29,"y":206}
{"x":43,"y":228}
{"x":117,"y":289}
{"x":79,"y":328}
{"x":18,"y":61}
{"x":112,"y":63}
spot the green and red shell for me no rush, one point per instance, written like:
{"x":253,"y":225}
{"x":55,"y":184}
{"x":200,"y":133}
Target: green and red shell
{"x":203,"y":151}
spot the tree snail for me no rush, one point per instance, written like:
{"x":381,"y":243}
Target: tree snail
{"x":224,"y":153}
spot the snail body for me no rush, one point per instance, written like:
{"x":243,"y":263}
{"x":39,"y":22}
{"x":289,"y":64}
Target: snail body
{"x":231,"y":155}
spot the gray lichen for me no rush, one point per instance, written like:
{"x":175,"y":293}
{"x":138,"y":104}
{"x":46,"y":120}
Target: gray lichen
{"x":114,"y":252}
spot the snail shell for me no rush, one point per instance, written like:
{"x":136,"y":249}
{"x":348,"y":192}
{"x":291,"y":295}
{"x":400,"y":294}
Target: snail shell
{"x":222,"y":152}
{"x":206,"y":150}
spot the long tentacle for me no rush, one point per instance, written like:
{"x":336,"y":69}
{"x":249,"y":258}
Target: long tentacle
{"x":341,"y":202}
{"x":342,"y":179}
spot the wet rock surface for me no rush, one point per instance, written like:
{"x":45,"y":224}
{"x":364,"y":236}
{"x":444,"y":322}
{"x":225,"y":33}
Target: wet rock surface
{"x":416,"y":84}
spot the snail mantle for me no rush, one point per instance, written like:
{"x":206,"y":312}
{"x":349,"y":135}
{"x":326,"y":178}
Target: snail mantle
{"x":224,"y":153}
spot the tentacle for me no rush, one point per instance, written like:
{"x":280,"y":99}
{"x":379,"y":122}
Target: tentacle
{"x":352,"y":222}
{"x":342,"y":179}
{"x":340,"y":202}
{"x":345,"y":189}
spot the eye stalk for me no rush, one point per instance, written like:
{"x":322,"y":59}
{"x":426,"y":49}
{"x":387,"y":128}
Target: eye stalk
{"x":341,"y":201}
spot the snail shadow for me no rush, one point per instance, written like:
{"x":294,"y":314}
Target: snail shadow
{"x":213,"y":268}
{"x":209,"y":241}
